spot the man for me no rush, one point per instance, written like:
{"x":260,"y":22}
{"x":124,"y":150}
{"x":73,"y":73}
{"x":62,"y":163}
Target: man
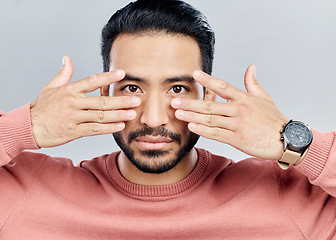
{"x":157,"y":98}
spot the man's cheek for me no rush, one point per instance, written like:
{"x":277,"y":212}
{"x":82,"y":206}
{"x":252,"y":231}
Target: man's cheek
{"x":181,"y":127}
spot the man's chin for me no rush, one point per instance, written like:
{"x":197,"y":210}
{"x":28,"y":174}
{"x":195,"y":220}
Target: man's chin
{"x":153,"y":153}
{"x":156,"y":161}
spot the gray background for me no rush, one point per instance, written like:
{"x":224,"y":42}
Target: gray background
{"x":292,"y":44}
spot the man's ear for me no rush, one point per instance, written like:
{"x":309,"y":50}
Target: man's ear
{"x":104,"y":91}
{"x":210,"y":95}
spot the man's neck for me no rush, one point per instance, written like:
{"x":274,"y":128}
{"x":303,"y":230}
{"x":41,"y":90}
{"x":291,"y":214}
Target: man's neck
{"x":179,"y":172}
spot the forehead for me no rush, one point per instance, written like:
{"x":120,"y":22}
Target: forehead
{"x":155,"y":56}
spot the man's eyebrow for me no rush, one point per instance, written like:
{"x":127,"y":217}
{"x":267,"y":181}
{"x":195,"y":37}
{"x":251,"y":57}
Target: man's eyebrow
{"x":132,"y":78}
{"x":186,"y":78}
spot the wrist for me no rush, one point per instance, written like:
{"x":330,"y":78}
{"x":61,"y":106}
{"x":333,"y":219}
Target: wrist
{"x":16,"y":132}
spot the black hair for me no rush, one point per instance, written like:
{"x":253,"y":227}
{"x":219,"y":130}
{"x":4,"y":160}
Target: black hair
{"x":167,"y":16}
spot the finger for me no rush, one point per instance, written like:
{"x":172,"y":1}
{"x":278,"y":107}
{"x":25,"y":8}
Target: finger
{"x":96,"y":81}
{"x":214,"y":133}
{"x":64,"y":75}
{"x":218,"y":86}
{"x":209,"y":120}
{"x":108,"y":103}
{"x":92,"y":129}
{"x":252,"y":86}
{"x":202,"y":106}
{"x":105,"y":116}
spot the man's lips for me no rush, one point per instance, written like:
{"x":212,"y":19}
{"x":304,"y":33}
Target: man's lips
{"x":153,"y":142}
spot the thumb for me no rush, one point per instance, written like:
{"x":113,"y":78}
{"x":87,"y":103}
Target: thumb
{"x":252,"y":86}
{"x":64,"y":75}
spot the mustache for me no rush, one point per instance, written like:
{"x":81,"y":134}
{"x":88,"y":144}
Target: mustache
{"x":160,"y":131}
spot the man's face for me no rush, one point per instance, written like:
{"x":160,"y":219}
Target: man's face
{"x":158,"y":68}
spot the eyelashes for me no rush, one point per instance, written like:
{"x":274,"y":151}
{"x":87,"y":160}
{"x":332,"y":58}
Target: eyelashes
{"x":131,"y":89}
{"x":175,"y":90}
{"x":179,"y":89}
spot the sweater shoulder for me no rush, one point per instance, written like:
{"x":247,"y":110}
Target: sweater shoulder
{"x":223,"y":173}
{"x":248,"y":166}
{"x":28,"y":161}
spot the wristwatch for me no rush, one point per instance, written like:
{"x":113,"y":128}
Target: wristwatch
{"x":297,"y":137}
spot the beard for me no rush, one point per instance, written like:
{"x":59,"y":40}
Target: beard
{"x":153,"y":161}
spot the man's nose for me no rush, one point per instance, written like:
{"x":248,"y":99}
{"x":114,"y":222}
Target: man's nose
{"x":155,"y":110}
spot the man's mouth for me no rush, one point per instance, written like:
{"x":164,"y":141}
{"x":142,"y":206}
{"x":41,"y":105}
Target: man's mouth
{"x":153,"y":142}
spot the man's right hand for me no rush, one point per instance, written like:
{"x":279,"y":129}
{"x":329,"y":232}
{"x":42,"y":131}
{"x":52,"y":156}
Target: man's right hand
{"x":62,"y":112}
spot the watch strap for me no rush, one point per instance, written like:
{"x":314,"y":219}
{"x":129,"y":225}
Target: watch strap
{"x":291,"y":157}
{"x":288,"y":157}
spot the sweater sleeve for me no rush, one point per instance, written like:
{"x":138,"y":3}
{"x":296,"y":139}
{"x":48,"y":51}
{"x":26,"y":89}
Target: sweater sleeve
{"x":308,"y":190}
{"x":319,"y":164}
{"x":15,"y":134}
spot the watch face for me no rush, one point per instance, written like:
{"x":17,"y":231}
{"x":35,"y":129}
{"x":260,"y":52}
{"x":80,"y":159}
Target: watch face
{"x":298,"y":135}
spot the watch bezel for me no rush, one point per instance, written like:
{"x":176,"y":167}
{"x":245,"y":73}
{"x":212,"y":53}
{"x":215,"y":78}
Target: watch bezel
{"x":291,"y":145}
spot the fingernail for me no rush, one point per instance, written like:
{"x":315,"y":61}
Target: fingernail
{"x":180,"y":114}
{"x":176,"y":102}
{"x":254,"y":72}
{"x":192,"y":126}
{"x":198,"y":74}
{"x":131,"y":114}
{"x":119,"y":73}
{"x":135,"y":101}
{"x":63,"y":61}
{"x":120,"y":126}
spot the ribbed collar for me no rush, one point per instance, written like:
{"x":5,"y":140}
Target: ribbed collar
{"x":157,"y":190}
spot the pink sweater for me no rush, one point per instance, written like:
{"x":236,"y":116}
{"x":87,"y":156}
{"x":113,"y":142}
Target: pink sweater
{"x":48,"y":198}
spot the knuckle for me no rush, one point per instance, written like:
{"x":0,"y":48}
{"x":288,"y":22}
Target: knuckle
{"x":103,"y":102}
{"x":95,"y":128}
{"x":215,"y":133}
{"x":68,"y":113}
{"x":100,"y":116}
{"x":207,"y":106}
{"x":70,"y":126}
{"x":241,"y":136}
{"x":210,"y":120}
{"x":93,"y":78}
{"x":67,"y":101}
{"x":70,"y":99}
{"x":222,"y":86}
{"x":243,"y":109}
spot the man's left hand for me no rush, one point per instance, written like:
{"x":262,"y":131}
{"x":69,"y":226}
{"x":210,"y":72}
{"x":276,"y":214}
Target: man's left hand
{"x":248,"y":121}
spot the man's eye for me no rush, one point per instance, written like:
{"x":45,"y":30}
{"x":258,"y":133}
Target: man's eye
{"x":178,"y":89}
{"x":131,"y":89}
